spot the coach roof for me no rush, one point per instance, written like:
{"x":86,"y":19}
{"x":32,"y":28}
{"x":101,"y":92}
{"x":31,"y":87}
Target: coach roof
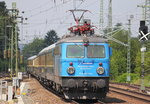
{"x":46,"y":49}
{"x":32,"y":57}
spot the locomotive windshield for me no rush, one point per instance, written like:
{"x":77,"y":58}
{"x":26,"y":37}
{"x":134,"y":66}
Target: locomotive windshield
{"x":96,"y":51}
{"x":75,"y":51}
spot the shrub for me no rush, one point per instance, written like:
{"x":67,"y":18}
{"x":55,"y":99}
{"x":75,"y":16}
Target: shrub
{"x":123,"y":77}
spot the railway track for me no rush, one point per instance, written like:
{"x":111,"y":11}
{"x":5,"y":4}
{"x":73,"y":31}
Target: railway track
{"x":74,"y":102}
{"x":59,"y":95}
{"x":3,"y":75}
{"x":132,"y":94}
{"x":137,"y":87}
{"x":126,"y":92}
{"x":87,"y":102}
{"x":70,"y":101}
{"x":101,"y":102}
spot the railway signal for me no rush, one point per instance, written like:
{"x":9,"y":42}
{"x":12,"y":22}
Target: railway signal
{"x":143,"y":32}
{"x":144,"y":35}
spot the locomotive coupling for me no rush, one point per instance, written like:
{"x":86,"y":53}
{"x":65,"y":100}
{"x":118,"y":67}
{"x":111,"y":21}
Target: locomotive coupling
{"x":85,"y":83}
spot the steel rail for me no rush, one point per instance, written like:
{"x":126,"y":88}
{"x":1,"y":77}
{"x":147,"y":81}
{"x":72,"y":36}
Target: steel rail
{"x":101,"y":102}
{"x":130,"y":85}
{"x":132,"y":94}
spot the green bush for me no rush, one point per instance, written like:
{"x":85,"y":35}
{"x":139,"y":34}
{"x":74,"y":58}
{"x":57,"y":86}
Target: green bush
{"x":147,"y":80}
{"x":123,"y":78}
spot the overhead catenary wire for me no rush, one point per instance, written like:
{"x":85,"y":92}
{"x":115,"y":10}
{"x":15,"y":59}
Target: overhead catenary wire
{"x":48,"y":9}
{"x":66,"y":18}
{"x":53,"y":7}
{"x":85,"y":6}
{"x":44,"y":4}
{"x":37,"y":8}
{"x":59,"y":22}
{"x":62,"y":22}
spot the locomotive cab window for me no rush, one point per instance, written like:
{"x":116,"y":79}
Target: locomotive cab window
{"x":75,"y":51}
{"x":96,"y":51}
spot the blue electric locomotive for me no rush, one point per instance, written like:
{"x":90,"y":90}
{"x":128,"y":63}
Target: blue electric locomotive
{"x":85,"y":67}
{"x":78,"y":67}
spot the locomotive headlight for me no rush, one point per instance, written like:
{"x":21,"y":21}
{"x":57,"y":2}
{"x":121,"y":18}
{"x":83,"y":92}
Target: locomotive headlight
{"x":100,"y":70}
{"x":71,"y":70}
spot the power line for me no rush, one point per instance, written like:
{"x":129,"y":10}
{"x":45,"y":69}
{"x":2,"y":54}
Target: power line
{"x":36,"y":8}
{"x":48,"y":9}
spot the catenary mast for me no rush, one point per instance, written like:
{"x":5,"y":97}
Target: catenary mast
{"x":110,"y":16}
{"x":101,"y":21}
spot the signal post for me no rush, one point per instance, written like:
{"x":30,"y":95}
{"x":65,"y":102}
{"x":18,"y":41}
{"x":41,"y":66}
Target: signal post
{"x":143,"y":37}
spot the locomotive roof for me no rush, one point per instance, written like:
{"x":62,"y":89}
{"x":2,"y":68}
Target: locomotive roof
{"x":76,"y":38}
{"x":32,"y":57}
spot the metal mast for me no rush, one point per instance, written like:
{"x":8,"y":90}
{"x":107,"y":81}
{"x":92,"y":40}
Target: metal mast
{"x":110,"y":16}
{"x":101,"y":21}
{"x":146,"y":18}
{"x":15,"y":35}
{"x":12,"y":52}
{"x":146,"y":12}
{"x":128,"y":52}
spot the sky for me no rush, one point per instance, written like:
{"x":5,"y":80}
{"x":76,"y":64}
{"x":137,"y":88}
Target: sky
{"x":45,"y":15}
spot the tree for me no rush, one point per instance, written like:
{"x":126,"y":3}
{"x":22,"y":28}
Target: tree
{"x":38,"y":44}
{"x":146,"y":62}
{"x":4,"y":34}
{"x":3,"y":10}
{"x":33,"y":48}
{"x":51,"y":38}
{"x":119,"y":57}
{"x":135,"y":48}
{"x":118,"y":26}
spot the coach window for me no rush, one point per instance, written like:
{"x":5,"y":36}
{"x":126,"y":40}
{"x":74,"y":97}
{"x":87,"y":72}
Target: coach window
{"x":96,"y":51}
{"x":75,"y":51}
{"x":50,"y":60}
{"x":57,"y":51}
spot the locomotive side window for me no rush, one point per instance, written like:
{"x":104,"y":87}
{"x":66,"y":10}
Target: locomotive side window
{"x":96,"y":51}
{"x":75,"y":51}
